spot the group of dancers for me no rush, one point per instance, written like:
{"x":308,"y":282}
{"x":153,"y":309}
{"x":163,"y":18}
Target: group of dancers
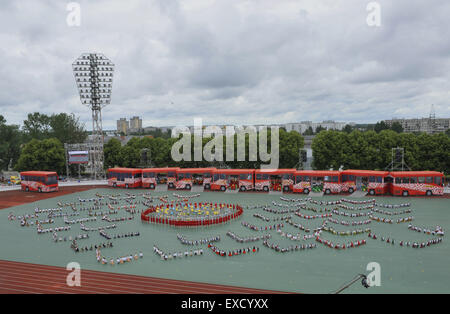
{"x":117,"y":219}
{"x":84,"y":228}
{"x":79,"y":220}
{"x":295,"y":237}
{"x":264,"y":228}
{"x":185,"y":241}
{"x":118,"y":260}
{"x":416,"y":245}
{"x":234,"y":252}
{"x":76,"y":248}
{"x":345,"y":233}
{"x":247,"y":239}
{"x":267,"y":219}
{"x":437,"y":231}
{"x":168,"y":256}
{"x":57,"y":229}
{"x":346,"y":223}
{"x":343,"y":246}
{"x":47,"y":210}
{"x":308,"y":217}
{"x":385,"y":212}
{"x":291,"y":248}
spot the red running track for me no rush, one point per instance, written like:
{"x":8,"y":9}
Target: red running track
{"x":27,"y":278}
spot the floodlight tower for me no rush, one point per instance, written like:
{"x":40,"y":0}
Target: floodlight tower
{"x":94,"y":76}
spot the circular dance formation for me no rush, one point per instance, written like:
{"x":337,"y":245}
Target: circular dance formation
{"x":191,"y":214}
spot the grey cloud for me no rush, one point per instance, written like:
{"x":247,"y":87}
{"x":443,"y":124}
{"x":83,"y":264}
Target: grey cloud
{"x":230,"y":62}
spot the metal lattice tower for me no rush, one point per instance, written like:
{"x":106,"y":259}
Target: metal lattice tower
{"x":432,"y":121}
{"x":94,"y":76}
{"x":398,"y":160}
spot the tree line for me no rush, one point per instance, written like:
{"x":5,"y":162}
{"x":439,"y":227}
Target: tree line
{"x":159,"y":152}
{"x":373,"y":151}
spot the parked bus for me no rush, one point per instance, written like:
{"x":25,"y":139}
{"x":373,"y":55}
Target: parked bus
{"x":187,"y":178}
{"x":407,"y":183}
{"x":274,"y":179}
{"x":233,"y":179}
{"x":326,"y":181}
{"x":370,"y":181}
{"x":151,"y":177}
{"x":41,"y":181}
{"x":125,"y":177}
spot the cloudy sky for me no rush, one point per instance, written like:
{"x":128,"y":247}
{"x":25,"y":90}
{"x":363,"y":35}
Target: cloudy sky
{"x":230,"y":61}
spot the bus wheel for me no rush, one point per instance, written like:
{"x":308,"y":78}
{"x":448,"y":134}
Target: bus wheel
{"x":429,"y":193}
{"x":39,"y":190}
{"x":27,"y":189}
{"x":242,"y":189}
{"x":327,"y":192}
{"x":188,"y":187}
{"x":223,"y":188}
{"x":114,"y":185}
{"x":286,"y":189}
{"x":126,"y":186}
{"x":152,"y":186}
{"x":405,"y":193}
{"x":171,"y":185}
{"x":350,"y":190}
{"x":306,"y":191}
{"x":266,"y":189}
{"x":371,"y":192}
{"x":207,"y":186}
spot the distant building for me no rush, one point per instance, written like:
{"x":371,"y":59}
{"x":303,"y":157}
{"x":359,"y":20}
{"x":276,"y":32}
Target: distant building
{"x":150,"y":129}
{"x":122,"y":125}
{"x":301,"y":127}
{"x":136,"y":123}
{"x":428,"y":125}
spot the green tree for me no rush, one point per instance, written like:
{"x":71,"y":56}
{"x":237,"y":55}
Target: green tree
{"x":348,"y":128}
{"x":290,"y":145}
{"x":320,"y":129}
{"x":46,"y":155}
{"x":397,"y":127}
{"x":309,"y":131}
{"x":37,"y":126}
{"x":67,"y":128}
{"x":380,"y":126}
{"x":10,"y":141}
{"x":112,"y":153}
{"x":329,"y":149}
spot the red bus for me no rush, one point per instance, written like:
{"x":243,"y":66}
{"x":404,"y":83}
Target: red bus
{"x":125,"y":177}
{"x":274,"y":179}
{"x":233,"y":179}
{"x":187,"y":178}
{"x":370,"y":181}
{"x":41,"y":181}
{"x":326,"y":181}
{"x":407,"y":183}
{"x":151,"y":177}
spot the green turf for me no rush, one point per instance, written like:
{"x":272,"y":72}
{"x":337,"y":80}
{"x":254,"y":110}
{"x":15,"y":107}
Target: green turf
{"x":320,"y":270}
